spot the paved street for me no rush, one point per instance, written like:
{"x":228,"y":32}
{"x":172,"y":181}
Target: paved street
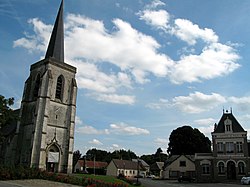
{"x":33,"y":183}
{"x":145,"y":182}
{"x":167,"y":183}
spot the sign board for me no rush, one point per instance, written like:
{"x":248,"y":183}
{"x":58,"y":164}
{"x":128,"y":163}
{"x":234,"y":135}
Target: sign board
{"x":53,"y":157}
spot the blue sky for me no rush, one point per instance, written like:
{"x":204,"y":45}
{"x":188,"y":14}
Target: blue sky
{"x":144,"y":68}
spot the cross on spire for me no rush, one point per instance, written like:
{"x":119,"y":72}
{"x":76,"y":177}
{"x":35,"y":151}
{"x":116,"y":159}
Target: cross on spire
{"x":56,"y":44}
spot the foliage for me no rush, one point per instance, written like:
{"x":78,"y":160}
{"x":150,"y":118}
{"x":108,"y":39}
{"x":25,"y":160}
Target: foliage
{"x":7,"y":115}
{"x":76,"y":157}
{"x":188,"y":141}
{"x":123,"y":154}
{"x":19,"y":172}
{"x":159,"y":156}
{"x":104,"y":156}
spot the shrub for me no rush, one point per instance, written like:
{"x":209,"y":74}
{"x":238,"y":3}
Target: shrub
{"x":19,"y":172}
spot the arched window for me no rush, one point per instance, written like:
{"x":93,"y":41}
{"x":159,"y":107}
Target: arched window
{"x":221,"y":167}
{"x":241,"y":168}
{"x":59,"y":87}
{"x":37,"y":86}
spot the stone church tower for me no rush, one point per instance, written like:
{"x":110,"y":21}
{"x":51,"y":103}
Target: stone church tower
{"x":45,"y":133}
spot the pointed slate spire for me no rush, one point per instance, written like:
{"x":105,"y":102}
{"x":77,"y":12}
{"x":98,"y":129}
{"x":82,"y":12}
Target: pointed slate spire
{"x":56,"y":43}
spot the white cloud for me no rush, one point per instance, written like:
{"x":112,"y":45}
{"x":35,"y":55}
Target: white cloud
{"x":190,"y":33}
{"x":161,"y":141}
{"x":124,"y":129}
{"x":115,"y":147}
{"x":78,"y":120}
{"x":91,"y":130}
{"x":206,"y":130}
{"x":242,"y":103}
{"x":114,"y":98}
{"x":95,"y":142}
{"x":198,"y":102}
{"x":208,"y":121}
{"x":86,"y":33}
{"x":38,"y":41}
{"x":215,"y":60}
{"x":161,"y":104}
{"x":154,"y":4}
{"x":158,"y":19}
{"x":121,"y":128}
{"x":124,"y":48}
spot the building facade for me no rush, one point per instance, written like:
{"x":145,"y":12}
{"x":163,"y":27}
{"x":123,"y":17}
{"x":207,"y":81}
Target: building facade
{"x":230,"y":157}
{"x":124,"y":167}
{"x":179,"y":165}
{"x":44,"y":136}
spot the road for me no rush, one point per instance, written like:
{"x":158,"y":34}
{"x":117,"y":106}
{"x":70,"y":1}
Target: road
{"x":172,"y":183}
{"x":33,"y":183}
{"x":145,"y":183}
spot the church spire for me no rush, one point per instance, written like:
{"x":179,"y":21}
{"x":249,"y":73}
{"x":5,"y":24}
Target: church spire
{"x":56,"y":43}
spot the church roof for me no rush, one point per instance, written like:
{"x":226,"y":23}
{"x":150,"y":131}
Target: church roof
{"x":56,"y":43}
{"x":236,"y":127}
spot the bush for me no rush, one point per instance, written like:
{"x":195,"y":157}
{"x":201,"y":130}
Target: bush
{"x":12,"y":173}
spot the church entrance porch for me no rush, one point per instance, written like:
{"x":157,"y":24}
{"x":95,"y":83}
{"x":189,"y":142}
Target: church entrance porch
{"x":231,"y":170}
{"x":53,"y":157}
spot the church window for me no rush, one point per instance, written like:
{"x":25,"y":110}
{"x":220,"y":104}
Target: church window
{"x":37,"y":86}
{"x":241,"y":168}
{"x":239,"y":146}
{"x":59,"y":87}
{"x":221,"y":167}
{"x":230,"y":147}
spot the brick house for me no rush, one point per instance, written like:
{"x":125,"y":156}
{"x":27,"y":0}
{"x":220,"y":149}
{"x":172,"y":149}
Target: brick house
{"x":230,"y":157}
{"x":91,"y":167}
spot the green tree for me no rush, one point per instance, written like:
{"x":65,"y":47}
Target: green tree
{"x":7,"y":115}
{"x":188,"y":140}
{"x":76,"y":156}
{"x":123,"y":154}
{"x":159,"y":156}
{"x":99,"y":155}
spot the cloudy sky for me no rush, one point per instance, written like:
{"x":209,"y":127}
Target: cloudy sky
{"x":144,"y":67}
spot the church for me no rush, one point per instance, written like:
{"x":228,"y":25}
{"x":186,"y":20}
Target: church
{"x":44,"y":135}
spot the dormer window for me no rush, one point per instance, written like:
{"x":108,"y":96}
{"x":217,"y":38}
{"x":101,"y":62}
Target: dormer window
{"x":228,"y":125}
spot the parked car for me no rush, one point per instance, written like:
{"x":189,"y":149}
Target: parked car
{"x":245,"y":179}
{"x":186,"y":178}
{"x":151,"y":176}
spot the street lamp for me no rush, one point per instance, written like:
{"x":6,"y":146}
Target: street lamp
{"x":138,"y":171}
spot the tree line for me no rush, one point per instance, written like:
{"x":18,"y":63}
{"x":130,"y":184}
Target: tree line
{"x":105,"y":156}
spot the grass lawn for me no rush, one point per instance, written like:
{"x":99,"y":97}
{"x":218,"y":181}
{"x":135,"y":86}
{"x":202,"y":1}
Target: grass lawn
{"x":104,"y":178}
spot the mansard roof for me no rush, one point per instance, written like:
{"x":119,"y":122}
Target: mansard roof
{"x":56,"y":43}
{"x":236,"y":127}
